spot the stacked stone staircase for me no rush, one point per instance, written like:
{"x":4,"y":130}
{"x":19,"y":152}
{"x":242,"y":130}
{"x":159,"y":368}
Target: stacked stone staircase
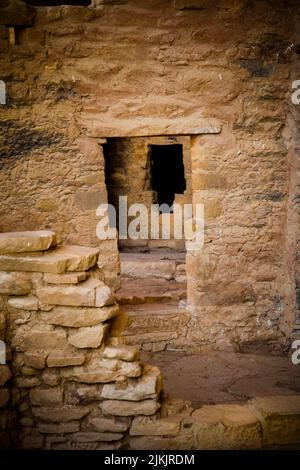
{"x":55,"y":317}
{"x":153,"y":300}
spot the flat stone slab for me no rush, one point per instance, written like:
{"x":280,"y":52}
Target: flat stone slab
{"x":144,"y":269}
{"x":102,"y":424}
{"x":85,"y":294}
{"x":149,"y":385}
{"x":155,"y":319}
{"x":64,"y":358}
{"x":65,"y":278}
{"x":22,"y":242}
{"x":139,"y":291}
{"x":62,"y":414}
{"x":88,"y":337}
{"x":61,"y":259}
{"x":15,"y":283}
{"x":81,"y":316}
{"x":81,"y":295}
{"x":24,"y":302}
{"x":129,"y":408}
{"x":94,"y":372}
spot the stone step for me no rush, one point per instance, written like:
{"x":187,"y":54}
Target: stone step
{"x":90,"y":293}
{"x":56,"y":261}
{"x":20,"y":242}
{"x":151,"y":323}
{"x":139,"y":291}
{"x":151,"y":265}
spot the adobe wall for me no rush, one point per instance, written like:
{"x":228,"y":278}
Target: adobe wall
{"x":219,"y":72}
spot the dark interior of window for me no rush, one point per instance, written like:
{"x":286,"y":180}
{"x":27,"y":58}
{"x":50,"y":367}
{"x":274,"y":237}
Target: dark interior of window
{"x":167,"y":172}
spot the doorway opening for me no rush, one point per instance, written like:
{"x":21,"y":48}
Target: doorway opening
{"x":154,"y":172}
{"x":167,"y":173}
{"x":151,"y":172}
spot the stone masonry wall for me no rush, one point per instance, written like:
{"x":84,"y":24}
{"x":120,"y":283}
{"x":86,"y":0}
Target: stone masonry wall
{"x":220,"y":72}
{"x":7,"y":414}
{"x":70,"y":387}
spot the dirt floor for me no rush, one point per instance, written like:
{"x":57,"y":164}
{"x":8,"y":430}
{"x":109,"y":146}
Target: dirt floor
{"x":225,"y":376}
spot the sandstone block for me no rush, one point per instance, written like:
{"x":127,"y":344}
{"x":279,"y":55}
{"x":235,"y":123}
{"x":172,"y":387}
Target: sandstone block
{"x":63,"y":258}
{"x":102,"y":424}
{"x":4,"y":397}
{"x":14,"y":283}
{"x":18,"y":242}
{"x":61,"y":428}
{"x":144,"y":269}
{"x":38,"y":338}
{"x":81,"y":295}
{"x":77,"y":394}
{"x":45,"y":396}
{"x":80,"y":258}
{"x":88,"y":337}
{"x":96,"y":437}
{"x":130,"y":369}
{"x":111,"y":364}
{"x":62,"y":414}
{"x":104,"y":296}
{"x":155,"y":319}
{"x":28,"y":302}
{"x":95,"y":373}
{"x":26,"y":370}
{"x":64,"y":358}
{"x":65,"y":278}
{"x":92,"y":375}
{"x":129,"y":408}
{"x":27,"y":382}
{"x":280,"y":418}
{"x":79,"y":317}
{"x":50,"y":377}
{"x":149,"y":385}
{"x":125,"y":353}
{"x":35,"y":359}
{"x":5,"y":374}
{"x":145,"y":426}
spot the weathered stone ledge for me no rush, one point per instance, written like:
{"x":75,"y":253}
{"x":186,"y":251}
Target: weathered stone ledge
{"x":263,"y":422}
{"x":57,"y":261}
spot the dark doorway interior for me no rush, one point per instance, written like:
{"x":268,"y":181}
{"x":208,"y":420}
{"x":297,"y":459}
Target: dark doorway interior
{"x":167,"y":172}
